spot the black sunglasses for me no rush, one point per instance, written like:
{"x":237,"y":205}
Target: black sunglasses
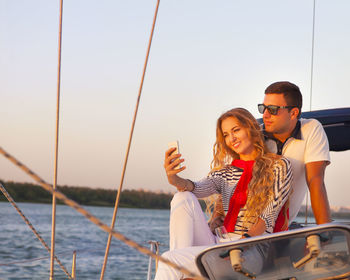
{"x":273,"y":109}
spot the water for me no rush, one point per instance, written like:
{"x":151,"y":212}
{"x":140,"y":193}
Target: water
{"x":74,"y":232}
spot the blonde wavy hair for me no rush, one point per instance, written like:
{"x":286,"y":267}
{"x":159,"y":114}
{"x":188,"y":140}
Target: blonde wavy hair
{"x":260,"y":187}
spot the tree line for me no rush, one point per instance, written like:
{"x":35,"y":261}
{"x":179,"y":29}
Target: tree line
{"x":27,"y":192}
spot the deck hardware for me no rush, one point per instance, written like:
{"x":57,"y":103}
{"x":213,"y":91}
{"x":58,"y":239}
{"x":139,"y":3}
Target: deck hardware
{"x":314,"y":246}
{"x":236,"y":263}
{"x":154,"y":248}
{"x":74,"y":262}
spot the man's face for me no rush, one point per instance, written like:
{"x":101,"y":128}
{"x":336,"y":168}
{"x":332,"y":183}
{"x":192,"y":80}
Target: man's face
{"x":284,"y":121}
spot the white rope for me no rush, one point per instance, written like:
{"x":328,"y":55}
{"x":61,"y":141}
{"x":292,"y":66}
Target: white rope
{"x":311,"y":88}
{"x":10,"y":199}
{"x":312,"y":52}
{"x":129,"y":144}
{"x":53,"y":223}
{"x":94,"y":219}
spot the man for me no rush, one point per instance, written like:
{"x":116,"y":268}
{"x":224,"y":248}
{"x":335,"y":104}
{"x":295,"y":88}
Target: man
{"x":302,"y":141}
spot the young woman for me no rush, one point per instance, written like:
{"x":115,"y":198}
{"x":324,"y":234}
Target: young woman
{"x":253,"y":184}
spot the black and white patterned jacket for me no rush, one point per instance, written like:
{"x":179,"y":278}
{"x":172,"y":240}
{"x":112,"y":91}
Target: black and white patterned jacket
{"x":224,"y":182}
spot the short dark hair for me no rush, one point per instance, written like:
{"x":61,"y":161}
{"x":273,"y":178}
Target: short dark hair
{"x":290,"y":91}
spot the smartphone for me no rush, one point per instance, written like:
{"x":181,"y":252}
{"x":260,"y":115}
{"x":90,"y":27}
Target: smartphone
{"x":175,"y":144}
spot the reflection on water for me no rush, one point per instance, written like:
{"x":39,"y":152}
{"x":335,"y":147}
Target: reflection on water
{"x":74,"y":232}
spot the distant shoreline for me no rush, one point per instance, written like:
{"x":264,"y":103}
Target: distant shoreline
{"x":27,"y":192}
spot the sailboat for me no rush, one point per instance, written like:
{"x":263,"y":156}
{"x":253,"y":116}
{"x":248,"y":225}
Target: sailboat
{"x":300,"y":234}
{"x":311,"y":252}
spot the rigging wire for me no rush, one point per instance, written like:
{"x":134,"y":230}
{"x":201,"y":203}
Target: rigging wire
{"x":311,"y":85}
{"x":129,"y":143}
{"x":312,"y":52}
{"x":95,"y":220}
{"x":11,"y":200}
{"x":53,"y":224}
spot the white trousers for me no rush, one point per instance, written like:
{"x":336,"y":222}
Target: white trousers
{"x":189,"y":235}
{"x":188,"y":226}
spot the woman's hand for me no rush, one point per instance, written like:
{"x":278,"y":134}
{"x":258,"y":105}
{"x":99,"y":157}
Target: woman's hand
{"x":171,"y":163}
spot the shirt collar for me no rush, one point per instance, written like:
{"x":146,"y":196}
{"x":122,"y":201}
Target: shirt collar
{"x":296,"y":133}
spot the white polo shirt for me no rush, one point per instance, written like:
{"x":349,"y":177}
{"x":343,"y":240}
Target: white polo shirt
{"x":307,"y":144}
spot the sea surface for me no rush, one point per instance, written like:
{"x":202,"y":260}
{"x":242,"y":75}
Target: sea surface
{"x":22,"y":256}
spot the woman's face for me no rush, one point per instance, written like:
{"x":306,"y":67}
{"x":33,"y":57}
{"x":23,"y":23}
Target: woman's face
{"x":237,"y":138}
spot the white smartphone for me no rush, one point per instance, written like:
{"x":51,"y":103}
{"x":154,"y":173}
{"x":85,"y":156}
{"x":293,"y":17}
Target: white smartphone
{"x":175,"y":144}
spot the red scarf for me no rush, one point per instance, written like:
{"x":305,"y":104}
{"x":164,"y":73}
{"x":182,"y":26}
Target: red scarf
{"x":239,"y":197}
{"x":282,"y":219}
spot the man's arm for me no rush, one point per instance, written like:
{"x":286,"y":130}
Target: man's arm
{"x":319,"y":200}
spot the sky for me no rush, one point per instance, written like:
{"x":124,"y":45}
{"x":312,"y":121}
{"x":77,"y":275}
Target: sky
{"x":206,"y":57}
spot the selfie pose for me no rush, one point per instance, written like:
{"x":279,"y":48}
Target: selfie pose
{"x":253,"y":183}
